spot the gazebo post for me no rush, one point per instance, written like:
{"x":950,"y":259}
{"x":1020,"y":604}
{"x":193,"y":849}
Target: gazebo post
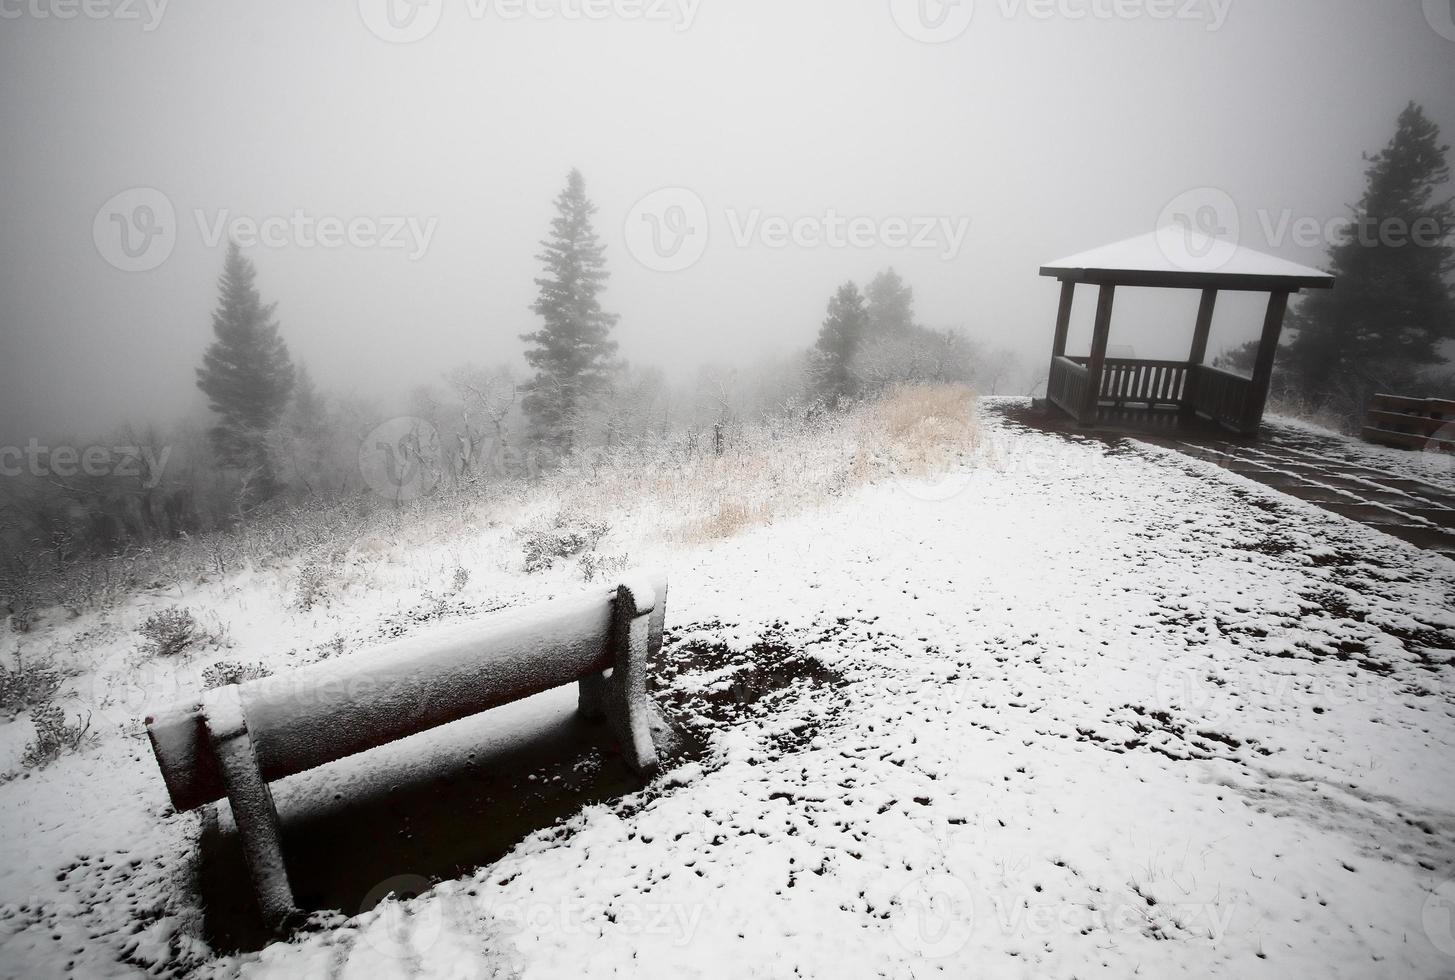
{"x":1263,"y":366}
{"x":1063,"y":318}
{"x":1099,"y":336}
{"x":1198,"y":354}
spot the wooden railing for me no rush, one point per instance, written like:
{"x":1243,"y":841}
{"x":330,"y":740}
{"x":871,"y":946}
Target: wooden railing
{"x":1127,"y":380}
{"x":1151,"y":383}
{"x":1066,"y":388}
{"x":1221,"y":395}
{"x":1411,"y":423}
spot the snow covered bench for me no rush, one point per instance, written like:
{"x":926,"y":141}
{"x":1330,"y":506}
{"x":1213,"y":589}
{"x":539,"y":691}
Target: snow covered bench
{"x":232,"y":741}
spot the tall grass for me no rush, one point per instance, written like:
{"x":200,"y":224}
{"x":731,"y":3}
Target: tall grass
{"x":677,"y":487}
{"x":780,"y":466}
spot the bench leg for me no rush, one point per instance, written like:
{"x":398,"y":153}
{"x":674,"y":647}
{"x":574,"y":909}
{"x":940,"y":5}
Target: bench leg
{"x":620,"y":694}
{"x":252,"y":804}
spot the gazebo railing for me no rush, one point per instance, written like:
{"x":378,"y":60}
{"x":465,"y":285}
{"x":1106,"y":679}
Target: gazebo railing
{"x":1127,"y":380}
{"x":1222,"y":396}
{"x":1066,"y":388}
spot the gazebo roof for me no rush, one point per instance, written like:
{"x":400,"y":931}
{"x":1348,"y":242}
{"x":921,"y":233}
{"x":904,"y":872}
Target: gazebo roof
{"x":1175,"y":257}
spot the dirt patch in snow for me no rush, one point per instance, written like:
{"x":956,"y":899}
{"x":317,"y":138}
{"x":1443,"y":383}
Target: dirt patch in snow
{"x":705,"y":686}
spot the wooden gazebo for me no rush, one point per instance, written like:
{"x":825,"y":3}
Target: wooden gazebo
{"x":1098,"y":390}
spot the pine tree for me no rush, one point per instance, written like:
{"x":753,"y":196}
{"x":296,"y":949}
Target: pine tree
{"x":838,"y":339}
{"x":1392,"y":304}
{"x":890,"y":304}
{"x":573,"y":354}
{"x":246,"y":375}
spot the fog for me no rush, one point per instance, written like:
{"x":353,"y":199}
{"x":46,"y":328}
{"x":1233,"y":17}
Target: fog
{"x":1035,"y":132}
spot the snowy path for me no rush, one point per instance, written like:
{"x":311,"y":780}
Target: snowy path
{"x":1103,"y":712}
{"x":1407,"y":494}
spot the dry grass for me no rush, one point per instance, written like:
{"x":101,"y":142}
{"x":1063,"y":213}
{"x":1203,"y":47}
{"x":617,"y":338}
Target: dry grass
{"x":930,"y":428}
{"x":783,"y":466}
{"x":730,"y":517}
{"x":1300,"y":408}
{"x":675,"y":489}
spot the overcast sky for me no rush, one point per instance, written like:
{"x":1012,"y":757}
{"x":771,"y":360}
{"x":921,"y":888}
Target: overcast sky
{"x":434,"y":136}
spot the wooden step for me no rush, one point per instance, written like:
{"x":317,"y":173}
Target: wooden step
{"x":1405,"y":440}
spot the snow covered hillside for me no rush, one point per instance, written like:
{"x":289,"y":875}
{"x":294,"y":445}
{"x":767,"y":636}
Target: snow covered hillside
{"x":1063,"y":709}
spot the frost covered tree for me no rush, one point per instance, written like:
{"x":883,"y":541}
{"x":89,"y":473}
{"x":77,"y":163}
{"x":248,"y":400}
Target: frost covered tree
{"x":890,"y":304}
{"x":914,"y":356}
{"x":573,"y":354}
{"x":247,"y":376}
{"x":838,"y":340}
{"x":1392,"y":304}
{"x":487,"y":398}
{"x":305,"y":435}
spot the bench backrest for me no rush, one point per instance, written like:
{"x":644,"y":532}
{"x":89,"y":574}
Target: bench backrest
{"x":327,"y":711}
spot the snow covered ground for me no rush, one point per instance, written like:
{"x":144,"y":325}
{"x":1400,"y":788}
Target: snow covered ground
{"x":1433,"y":467}
{"x":1065,"y":710}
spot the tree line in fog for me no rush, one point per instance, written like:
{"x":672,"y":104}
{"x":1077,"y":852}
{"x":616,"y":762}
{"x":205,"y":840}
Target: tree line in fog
{"x":274,"y":440}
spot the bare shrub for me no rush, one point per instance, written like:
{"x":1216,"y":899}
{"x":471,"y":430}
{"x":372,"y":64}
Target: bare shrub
{"x":172,"y":631}
{"x":54,"y":735}
{"x":27,"y":684}
{"x":317,"y":578}
{"x":335,"y":646}
{"x":226,"y":672}
{"x":595,"y":565}
{"x":562,"y":535}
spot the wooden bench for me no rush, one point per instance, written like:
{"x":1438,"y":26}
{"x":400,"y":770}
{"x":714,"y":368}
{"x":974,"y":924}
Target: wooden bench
{"x":232,"y":741}
{"x":1411,"y":423}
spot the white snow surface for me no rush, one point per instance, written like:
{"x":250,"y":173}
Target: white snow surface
{"x":1430,"y":466}
{"x":1105,"y":712}
{"x":1174,"y":249}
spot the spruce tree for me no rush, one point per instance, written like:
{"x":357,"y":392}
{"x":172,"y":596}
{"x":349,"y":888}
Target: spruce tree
{"x":573,"y":354}
{"x":890,"y":304}
{"x":1392,"y":304}
{"x":838,"y":339}
{"x":246,"y":375}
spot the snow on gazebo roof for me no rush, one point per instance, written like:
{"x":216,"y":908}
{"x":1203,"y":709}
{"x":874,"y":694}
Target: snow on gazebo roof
{"x":1173,"y":256}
